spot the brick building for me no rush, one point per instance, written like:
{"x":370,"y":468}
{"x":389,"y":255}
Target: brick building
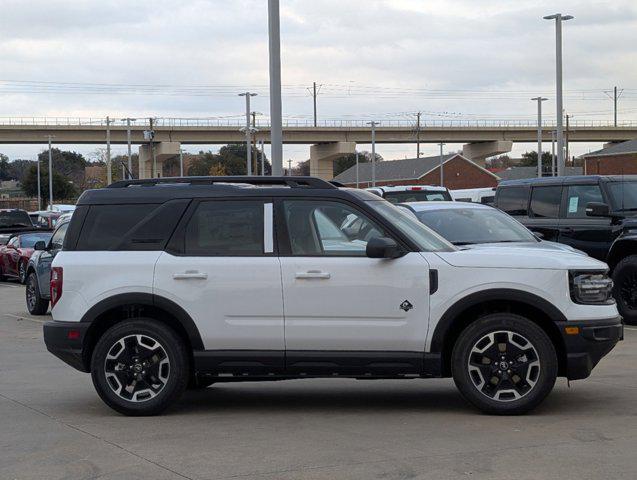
{"x":614,"y":159}
{"x":458,"y":171}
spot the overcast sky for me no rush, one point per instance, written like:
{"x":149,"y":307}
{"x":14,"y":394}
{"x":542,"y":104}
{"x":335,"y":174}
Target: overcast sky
{"x":376,"y":59}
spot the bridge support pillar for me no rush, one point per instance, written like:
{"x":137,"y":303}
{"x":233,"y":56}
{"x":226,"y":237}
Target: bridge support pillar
{"x":322,"y":156}
{"x":479,"y":151}
{"x":163,"y":151}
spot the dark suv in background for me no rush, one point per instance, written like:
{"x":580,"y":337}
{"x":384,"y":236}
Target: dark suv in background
{"x":596,"y":214}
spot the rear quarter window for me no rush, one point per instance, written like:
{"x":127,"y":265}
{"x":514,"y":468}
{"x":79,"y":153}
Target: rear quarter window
{"x":513,"y":200}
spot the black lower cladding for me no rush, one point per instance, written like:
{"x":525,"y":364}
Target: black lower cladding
{"x":65,"y":340}
{"x":592,"y":342}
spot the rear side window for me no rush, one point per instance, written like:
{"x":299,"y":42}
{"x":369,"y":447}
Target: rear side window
{"x":226,"y":228}
{"x":106,"y":225}
{"x":513,"y":200}
{"x":545,"y":201}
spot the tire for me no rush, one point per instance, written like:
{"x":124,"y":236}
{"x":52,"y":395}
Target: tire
{"x":35,"y":303}
{"x":199,"y":383}
{"x":2,"y":277}
{"x":146,"y":349}
{"x":625,"y":289}
{"x":22,"y":273}
{"x":531,"y":358}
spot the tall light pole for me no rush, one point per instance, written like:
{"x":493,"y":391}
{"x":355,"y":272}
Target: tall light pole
{"x":539,"y":101}
{"x":559,"y":18}
{"x":39,"y":191}
{"x":276,"y":121}
{"x":50,"y":173}
{"x":357,"y":177}
{"x":552,"y":153}
{"x":262,"y":159}
{"x":109,"y":167}
{"x":248,"y":128}
{"x":181,"y":162}
{"x":128,"y":141}
{"x":442,"y":168}
{"x":418,"y":114}
{"x":373,"y":125}
{"x":289,"y":167}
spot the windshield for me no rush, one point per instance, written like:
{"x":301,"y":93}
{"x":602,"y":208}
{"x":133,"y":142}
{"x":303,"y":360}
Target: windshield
{"x":15,"y":218}
{"x":28,"y":241}
{"x":417,"y":196}
{"x":624,"y":195}
{"x":462,"y":226}
{"x":423,"y":237}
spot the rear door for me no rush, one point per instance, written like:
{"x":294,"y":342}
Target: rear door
{"x":221,"y":267}
{"x":593,"y":235}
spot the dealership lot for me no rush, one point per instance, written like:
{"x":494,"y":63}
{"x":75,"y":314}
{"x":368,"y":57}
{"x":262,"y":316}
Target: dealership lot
{"x":53,"y":425}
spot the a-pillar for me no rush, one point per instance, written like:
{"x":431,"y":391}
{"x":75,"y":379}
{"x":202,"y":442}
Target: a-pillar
{"x":163,"y":151}
{"x":478,"y":152}
{"x":322,"y":156}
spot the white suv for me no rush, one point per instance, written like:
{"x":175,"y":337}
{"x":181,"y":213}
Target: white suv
{"x":168,"y":283}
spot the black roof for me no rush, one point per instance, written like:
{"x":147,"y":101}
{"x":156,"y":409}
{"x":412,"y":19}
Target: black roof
{"x":569,"y":180}
{"x":159,"y":190}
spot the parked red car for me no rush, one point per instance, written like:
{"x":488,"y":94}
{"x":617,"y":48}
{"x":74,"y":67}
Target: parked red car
{"x":15,"y":255}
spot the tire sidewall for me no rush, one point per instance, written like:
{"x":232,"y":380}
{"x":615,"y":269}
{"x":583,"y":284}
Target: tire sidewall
{"x":22,"y":273}
{"x":178,"y":374}
{"x":518,"y":324}
{"x":41,"y":305}
{"x":622,"y":270}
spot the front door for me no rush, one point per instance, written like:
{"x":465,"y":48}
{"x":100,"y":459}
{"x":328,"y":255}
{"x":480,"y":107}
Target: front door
{"x":227,"y":277}
{"x":343,"y":309}
{"x":593,"y":235}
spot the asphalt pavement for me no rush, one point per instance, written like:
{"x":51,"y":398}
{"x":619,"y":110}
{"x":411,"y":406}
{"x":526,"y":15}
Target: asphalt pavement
{"x":54,"y":426}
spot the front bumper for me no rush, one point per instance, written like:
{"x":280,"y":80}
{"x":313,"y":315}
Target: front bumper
{"x":591,"y":342}
{"x":65,"y":341}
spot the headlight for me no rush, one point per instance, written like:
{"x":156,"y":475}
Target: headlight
{"x":591,"y":288}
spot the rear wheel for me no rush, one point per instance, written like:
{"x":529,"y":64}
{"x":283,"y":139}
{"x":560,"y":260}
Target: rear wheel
{"x":35,"y":303}
{"x":140,"y":367}
{"x":625,"y":289}
{"x":504,"y":364}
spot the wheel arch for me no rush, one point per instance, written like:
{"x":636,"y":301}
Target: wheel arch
{"x":621,"y":248}
{"x":119,"y":308}
{"x":465,"y":311}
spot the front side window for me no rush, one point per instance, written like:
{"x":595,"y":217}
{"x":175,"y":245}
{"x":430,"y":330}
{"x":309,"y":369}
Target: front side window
{"x":513,"y":200}
{"x":577,"y":198}
{"x":58,"y":237}
{"x":464,"y":226}
{"x":545,"y":201}
{"x":226,"y":228}
{"x":328,"y":228}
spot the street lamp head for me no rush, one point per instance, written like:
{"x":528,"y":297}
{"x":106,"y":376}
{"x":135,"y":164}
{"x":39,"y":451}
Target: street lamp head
{"x":541,"y":99}
{"x":558,"y":16}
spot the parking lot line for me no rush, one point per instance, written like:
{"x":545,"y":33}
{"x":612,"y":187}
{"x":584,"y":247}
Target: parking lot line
{"x":25,"y":317}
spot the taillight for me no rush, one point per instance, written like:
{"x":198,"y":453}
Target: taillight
{"x":56,"y":285}
{"x":415,"y":188}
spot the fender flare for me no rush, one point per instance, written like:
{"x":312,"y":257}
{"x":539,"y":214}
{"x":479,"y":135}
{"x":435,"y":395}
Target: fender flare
{"x":613,"y":257}
{"x":503,"y":294}
{"x":152,"y":300}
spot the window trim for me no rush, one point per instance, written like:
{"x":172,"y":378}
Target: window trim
{"x":282,"y":234}
{"x":531,"y":213}
{"x":176,"y":245}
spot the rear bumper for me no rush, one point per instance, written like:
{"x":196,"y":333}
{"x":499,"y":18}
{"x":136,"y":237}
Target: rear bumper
{"x":592,"y":342}
{"x":65,"y":341}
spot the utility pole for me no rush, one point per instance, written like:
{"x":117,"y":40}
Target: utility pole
{"x":418,"y":134}
{"x":152,"y":148}
{"x":255,"y":167}
{"x":262,"y":159}
{"x":559,"y":18}
{"x":128,"y":142}
{"x":39,"y":191}
{"x":248,"y":128}
{"x":373,"y":125}
{"x":357,"y":177}
{"x":276,"y":121}
{"x":289,"y":167}
{"x":539,"y":101}
{"x":552,"y":153}
{"x":314,"y":92}
{"x":109,"y":167}
{"x":50,"y":137}
{"x":181,"y":162}
{"x":616,"y":94}
{"x":566,"y":141}
{"x":442,"y":167}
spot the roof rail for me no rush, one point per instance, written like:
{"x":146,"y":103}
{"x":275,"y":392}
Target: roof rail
{"x":293,"y":182}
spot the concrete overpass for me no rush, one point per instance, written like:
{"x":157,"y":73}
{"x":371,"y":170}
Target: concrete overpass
{"x":329,"y":139}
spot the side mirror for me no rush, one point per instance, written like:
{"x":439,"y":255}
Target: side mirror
{"x":597,"y":209}
{"x":39,"y":245}
{"x":383,"y":247}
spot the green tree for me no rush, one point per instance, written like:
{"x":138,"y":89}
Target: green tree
{"x":66,"y":163}
{"x":63,"y":188}
{"x":18,"y":168}
{"x":348,"y":161}
{"x":4,"y":167}
{"x":529,"y":159}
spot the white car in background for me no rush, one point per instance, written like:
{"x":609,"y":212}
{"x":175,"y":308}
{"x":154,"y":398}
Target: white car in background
{"x":411,"y":193}
{"x":474,"y":195}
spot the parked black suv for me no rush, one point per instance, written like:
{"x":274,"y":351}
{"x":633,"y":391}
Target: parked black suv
{"x":593,"y":213}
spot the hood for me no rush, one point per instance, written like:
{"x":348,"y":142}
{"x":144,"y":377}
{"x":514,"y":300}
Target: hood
{"x":520,"y":257}
{"x":542,"y":245}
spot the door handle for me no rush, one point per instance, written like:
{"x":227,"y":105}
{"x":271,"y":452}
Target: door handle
{"x":312,"y":274}
{"x":190,"y":274}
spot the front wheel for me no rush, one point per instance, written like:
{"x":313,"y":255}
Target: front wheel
{"x":140,"y":367}
{"x":625,"y":288}
{"x":504,"y":364}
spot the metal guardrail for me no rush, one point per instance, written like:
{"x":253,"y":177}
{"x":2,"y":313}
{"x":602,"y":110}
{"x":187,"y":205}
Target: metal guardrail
{"x":294,"y":123}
